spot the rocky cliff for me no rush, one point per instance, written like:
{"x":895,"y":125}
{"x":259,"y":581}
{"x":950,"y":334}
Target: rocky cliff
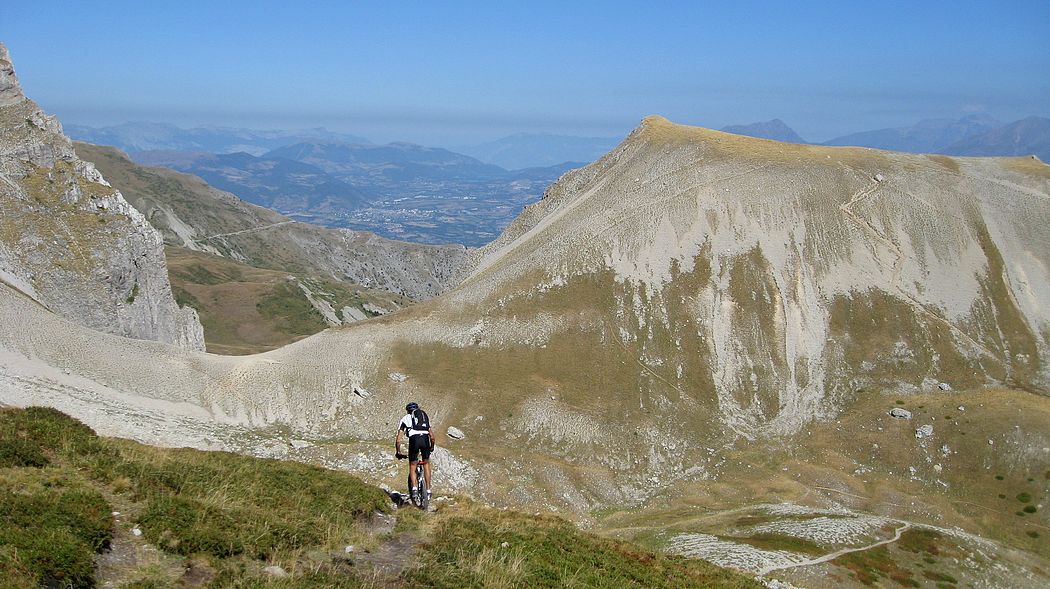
{"x":70,"y":241}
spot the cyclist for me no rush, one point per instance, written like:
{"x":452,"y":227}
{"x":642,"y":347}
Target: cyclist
{"x":416,"y":425}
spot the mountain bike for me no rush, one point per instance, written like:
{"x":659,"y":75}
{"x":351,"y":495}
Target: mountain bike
{"x":423,"y":501}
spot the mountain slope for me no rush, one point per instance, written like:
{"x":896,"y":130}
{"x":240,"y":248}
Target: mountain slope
{"x":776,"y":130}
{"x":70,"y":241}
{"x":194,"y":215}
{"x":1030,"y":136}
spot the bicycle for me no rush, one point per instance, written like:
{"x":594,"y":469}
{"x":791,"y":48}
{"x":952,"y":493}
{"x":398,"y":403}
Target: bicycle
{"x":423,"y":499}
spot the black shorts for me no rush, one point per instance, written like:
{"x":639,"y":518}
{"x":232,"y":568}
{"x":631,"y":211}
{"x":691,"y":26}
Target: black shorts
{"x":419,"y":444}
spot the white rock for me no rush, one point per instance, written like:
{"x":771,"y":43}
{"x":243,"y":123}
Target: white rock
{"x":364,"y":394}
{"x":275,"y":571}
{"x":961,"y":408}
{"x":455,"y":433}
{"x":924,"y":431}
{"x":505,"y":545}
{"x":349,"y":549}
{"x":944,"y":386}
{"x":900,"y":413}
{"x":397,"y":377}
{"x":299,"y":444}
{"x":136,"y":532}
{"x":878,"y":178}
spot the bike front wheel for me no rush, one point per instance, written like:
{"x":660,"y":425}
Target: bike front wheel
{"x":421,"y":489}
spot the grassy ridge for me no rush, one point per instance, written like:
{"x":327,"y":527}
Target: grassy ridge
{"x":219,"y":519}
{"x":509,"y":549}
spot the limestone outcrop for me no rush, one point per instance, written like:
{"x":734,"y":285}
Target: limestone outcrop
{"x":70,"y":241}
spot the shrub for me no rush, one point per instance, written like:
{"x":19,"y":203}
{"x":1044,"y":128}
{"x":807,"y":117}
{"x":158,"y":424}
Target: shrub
{"x":52,"y":536}
{"x":53,"y":557}
{"x":184,"y":526}
{"x":19,"y":452}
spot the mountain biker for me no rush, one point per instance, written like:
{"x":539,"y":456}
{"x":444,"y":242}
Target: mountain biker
{"x":416,"y":425}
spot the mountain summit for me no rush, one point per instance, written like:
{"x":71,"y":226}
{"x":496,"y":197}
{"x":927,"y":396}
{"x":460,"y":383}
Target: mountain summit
{"x":10,"y":89}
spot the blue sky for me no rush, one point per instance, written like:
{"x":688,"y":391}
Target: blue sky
{"x":454,"y":72}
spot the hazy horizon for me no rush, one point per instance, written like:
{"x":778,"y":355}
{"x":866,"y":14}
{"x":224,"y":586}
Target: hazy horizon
{"x":455,"y":74}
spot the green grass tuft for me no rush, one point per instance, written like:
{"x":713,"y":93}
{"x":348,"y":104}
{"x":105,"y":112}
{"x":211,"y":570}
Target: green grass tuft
{"x":921,"y":541}
{"x":870,"y":566}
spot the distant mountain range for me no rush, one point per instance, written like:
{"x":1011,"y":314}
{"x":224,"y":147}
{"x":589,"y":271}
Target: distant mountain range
{"x":529,"y":150}
{"x":775,"y":129}
{"x":275,"y":183}
{"x":401,"y":190}
{"x":976,"y":135}
{"x":146,"y":136}
{"x":1024,"y":137}
{"x":396,"y":162}
{"x":434,"y":195}
{"x":926,"y":136}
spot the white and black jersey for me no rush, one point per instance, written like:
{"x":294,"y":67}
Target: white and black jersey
{"x":406,"y":426}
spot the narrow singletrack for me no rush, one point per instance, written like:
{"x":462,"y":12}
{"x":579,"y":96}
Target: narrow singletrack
{"x":832,"y":556}
{"x":243,"y":231}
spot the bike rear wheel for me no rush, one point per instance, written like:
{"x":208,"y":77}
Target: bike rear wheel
{"x":421,"y":489}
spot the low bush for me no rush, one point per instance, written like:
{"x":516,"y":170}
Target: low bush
{"x":52,"y":536}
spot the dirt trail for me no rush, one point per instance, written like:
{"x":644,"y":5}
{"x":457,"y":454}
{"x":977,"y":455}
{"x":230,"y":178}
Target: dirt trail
{"x":243,"y":231}
{"x":836,"y":554}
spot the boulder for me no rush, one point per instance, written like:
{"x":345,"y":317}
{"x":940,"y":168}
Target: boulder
{"x":924,"y":431}
{"x":275,"y":571}
{"x":899,"y":413}
{"x":299,"y":444}
{"x":944,"y":386}
{"x":455,"y":433}
{"x":397,"y":377}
